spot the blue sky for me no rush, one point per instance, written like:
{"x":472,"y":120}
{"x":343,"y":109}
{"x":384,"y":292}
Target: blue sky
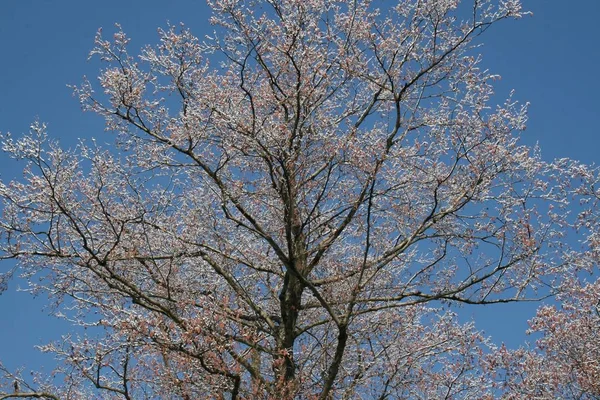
{"x":551,"y":59}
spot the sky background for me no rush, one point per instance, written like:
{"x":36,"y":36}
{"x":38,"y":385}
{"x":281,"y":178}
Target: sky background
{"x":551,"y":60}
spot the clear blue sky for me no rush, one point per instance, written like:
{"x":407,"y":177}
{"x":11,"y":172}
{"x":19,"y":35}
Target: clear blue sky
{"x":551,"y":60}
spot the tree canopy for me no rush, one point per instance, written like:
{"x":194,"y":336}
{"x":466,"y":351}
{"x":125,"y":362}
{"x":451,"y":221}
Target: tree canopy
{"x":291,"y":205}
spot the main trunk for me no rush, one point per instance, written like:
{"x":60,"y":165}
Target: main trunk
{"x":290,"y":297}
{"x":290,"y":302}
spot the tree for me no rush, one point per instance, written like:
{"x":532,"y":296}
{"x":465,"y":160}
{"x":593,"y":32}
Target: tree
{"x":565,"y":361}
{"x":290,"y":207}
